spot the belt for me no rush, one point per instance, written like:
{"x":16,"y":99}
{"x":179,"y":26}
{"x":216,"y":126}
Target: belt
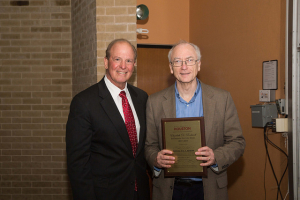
{"x":186,"y":182}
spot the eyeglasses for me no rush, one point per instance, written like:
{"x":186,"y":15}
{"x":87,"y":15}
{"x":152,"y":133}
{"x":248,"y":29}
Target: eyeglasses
{"x":188,"y":62}
{"x":119,"y":60}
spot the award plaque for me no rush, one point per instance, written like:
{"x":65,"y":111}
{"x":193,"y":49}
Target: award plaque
{"x":184,"y":136}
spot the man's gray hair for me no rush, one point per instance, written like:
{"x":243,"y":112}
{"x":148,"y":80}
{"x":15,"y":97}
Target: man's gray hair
{"x":185,"y":42}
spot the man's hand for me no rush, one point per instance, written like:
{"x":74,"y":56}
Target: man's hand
{"x":163,"y":160}
{"x":207,"y":155}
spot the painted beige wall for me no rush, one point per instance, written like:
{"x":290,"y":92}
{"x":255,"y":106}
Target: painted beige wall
{"x":235,"y":37}
{"x":168,"y":22}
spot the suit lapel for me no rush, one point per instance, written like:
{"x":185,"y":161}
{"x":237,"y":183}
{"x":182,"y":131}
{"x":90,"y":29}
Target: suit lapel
{"x":113,"y":113}
{"x":208,"y":110}
{"x":169,"y":105}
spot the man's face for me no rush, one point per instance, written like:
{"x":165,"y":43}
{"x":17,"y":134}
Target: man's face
{"x":120,"y":65}
{"x":184,"y":73}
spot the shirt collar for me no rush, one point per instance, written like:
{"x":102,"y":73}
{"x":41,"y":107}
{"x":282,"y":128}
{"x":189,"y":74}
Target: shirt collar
{"x":114,"y":90}
{"x":193,"y":98}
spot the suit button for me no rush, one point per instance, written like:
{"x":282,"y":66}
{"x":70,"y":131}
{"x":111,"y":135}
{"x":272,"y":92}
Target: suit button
{"x":131,"y":182}
{"x":171,"y":187}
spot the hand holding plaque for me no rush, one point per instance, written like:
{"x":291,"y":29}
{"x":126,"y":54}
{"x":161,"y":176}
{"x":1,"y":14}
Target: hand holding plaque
{"x":184,"y":136}
{"x":165,"y":159}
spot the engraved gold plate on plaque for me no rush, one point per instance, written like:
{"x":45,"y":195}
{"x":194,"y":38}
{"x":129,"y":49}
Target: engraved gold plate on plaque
{"x":184,"y":136}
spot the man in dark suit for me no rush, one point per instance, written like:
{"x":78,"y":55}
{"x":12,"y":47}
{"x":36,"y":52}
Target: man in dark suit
{"x":105,"y":133}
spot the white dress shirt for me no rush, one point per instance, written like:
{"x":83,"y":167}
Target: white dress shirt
{"x":115,"y":91}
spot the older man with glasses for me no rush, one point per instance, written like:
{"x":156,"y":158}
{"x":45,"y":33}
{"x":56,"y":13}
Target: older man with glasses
{"x":189,"y":97}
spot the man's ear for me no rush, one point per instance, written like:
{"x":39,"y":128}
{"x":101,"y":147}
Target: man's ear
{"x":199,"y":65}
{"x":171,"y":68}
{"x":105,"y":63}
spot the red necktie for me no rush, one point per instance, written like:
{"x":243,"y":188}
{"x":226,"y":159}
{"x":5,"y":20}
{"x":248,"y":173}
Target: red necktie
{"x":130,"y":124}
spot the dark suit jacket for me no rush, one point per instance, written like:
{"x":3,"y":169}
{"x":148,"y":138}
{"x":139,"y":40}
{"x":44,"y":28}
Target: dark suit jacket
{"x":99,"y":155}
{"x":223,"y":134}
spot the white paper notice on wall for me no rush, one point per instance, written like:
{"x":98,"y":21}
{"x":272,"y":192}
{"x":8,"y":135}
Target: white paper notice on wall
{"x":266,"y":95}
{"x":270,"y":71}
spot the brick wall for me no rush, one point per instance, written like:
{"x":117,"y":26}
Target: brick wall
{"x":36,"y":84}
{"x":115,"y":19}
{"x":35,"y":92}
{"x":95,"y":23}
{"x":84,"y":42}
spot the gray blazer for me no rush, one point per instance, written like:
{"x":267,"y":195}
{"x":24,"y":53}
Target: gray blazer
{"x":223,"y":134}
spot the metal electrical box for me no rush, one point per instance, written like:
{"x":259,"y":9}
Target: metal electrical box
{"x":261,"y":114}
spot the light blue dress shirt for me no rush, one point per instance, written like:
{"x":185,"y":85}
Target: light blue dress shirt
{"x":193,"y":108}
